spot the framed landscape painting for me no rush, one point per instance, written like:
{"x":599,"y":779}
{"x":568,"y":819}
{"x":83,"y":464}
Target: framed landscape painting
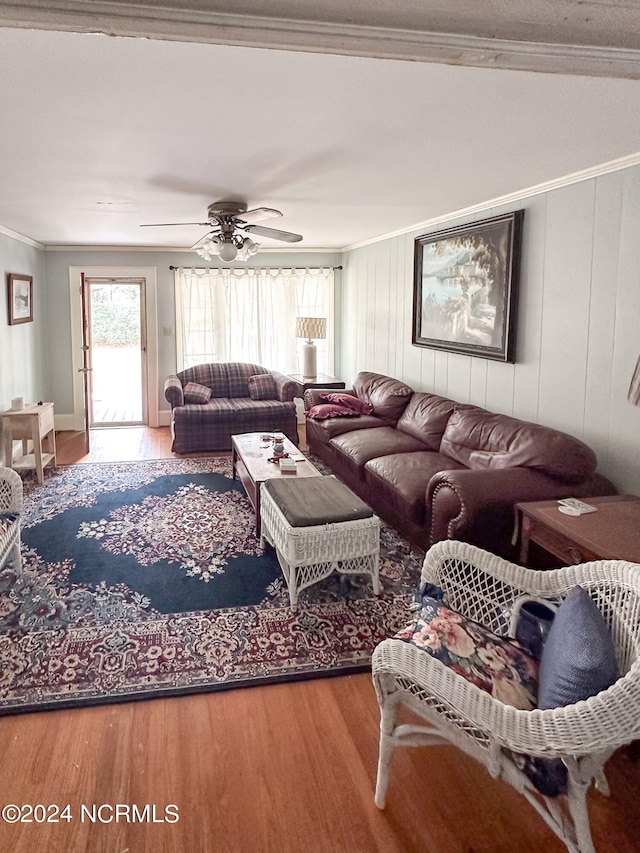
{"x":465,"y":288}
{"x":20,"y":297}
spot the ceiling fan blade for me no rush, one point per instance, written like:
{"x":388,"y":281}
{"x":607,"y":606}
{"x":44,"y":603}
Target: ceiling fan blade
{"x":163,"y":224}
{"x":274,"y":233}
{"x":258,"y":214}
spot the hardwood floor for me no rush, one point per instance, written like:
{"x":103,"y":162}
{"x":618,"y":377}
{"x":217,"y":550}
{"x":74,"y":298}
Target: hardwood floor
{"x":120,"y":444}
{"x":278,"y":769}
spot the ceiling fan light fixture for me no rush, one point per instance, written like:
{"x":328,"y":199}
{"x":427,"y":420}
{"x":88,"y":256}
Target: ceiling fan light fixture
{"x":227,"y":251}
{"x":236,"y":248}
{"x":247,"y":249}
{"x":228,"y":219}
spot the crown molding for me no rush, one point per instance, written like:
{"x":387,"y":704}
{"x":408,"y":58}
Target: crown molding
{"x":63,"y":247}
{"x":262,"y":31}
{"x":21,"y":238}
{"x":509,"y":199}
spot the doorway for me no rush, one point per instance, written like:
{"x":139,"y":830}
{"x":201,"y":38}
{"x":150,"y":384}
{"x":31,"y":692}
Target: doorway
{"x":116,"y":346}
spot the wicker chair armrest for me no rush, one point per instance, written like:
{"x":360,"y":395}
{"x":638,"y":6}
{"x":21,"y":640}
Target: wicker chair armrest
{"x":286,"y":387}
{"x":173,"y":392}
{"x":599,"y":724}
{"x":10,"y":491}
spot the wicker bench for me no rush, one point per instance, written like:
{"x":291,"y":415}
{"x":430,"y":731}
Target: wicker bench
{"x":318,"y":526}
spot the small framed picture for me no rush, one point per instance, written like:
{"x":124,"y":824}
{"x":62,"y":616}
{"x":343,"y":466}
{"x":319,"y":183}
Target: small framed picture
{"x":20,"y":294}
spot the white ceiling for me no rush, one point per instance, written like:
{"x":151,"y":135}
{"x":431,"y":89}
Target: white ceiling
{"x":101,"y":134}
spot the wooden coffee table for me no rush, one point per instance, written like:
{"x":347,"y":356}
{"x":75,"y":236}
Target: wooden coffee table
{"x":250,"y":464}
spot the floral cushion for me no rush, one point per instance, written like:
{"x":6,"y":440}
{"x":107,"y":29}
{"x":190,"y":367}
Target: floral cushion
{"x":262,"y":386}
{"x":196,"y":393}
{"x":349,"y":401}
{"x":330,"y":410}
{"x":493,"y":663}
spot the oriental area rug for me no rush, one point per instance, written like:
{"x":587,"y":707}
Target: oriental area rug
{"x":147,"y":579}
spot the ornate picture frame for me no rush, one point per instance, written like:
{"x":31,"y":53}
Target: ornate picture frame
{"x":465,"y":288}
{"x":20,"y":298}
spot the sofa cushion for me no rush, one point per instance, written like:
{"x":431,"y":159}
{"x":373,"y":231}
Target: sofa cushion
{"x":218,"y":408}
{"x":481,"y":439}
{"x":400,"y":480}
{"x":202,"y":426}
{"x":238,"y":375}
{"x":196,"y":393}
{"x":311,"y":501}
{"x":578,"y":659}
{"x":387,"y":396}
{"x":324,"y":430}
{"x":264,"y":416}
{"x":330,"y":410}
{"x":493,"y":663}
{"x":262,"y":386}
{"x":349,"y":401}
{"x":356,"y":448}
{"x":426,"y":417}
{"x":212,"y":374}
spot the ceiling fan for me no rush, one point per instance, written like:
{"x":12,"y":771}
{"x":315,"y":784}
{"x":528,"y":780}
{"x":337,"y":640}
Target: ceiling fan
{"x":227,"y":220}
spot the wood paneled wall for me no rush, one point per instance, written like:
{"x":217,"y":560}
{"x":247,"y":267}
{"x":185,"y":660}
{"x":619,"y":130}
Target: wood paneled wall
{"x":578,"y":332}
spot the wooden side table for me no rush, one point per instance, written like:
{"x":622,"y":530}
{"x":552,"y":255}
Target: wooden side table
{"x":322,"y":380}
{"x":33,"y":423}
{"x":610,"y":533}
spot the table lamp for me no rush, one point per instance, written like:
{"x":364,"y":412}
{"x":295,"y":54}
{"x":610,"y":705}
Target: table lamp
{"x":310,"y":328}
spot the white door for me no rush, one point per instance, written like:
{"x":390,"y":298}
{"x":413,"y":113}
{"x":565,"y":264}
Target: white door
{"x":117,"y":351}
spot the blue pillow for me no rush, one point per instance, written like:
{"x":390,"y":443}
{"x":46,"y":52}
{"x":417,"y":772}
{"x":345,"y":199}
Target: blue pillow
{"x":578,"y":659}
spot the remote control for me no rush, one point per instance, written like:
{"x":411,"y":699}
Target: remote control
{"x":580,"y":506}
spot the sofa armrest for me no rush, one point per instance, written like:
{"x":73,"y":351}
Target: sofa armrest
{"x":313,"y":396}
{"x":173,"y":392}
{"x":285,"y":386}
{"x":462,"y":500}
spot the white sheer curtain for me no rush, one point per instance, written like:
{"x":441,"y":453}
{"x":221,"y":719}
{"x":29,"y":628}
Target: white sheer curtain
{"x":250,"y":315}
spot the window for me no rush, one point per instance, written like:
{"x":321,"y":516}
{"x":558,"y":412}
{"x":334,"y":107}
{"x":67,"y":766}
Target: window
{"x":250,"y":315}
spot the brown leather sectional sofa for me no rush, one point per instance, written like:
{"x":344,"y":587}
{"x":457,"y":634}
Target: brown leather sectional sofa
{"x":436,"y":469}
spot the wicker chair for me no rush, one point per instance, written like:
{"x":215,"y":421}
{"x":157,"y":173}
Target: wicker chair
{"x":10,"y":509}
{"x":584,"y":735}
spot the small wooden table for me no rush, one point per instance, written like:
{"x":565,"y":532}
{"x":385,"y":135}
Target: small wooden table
{"x":611,"y":533}
{"x":35,"y":423}
{"x":250,"y":464}
{"x":322,"y":380}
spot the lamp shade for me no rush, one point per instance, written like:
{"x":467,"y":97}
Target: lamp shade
{"x":311,"y":328}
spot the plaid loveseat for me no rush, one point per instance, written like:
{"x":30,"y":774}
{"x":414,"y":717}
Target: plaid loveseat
{"x":244,"y":398}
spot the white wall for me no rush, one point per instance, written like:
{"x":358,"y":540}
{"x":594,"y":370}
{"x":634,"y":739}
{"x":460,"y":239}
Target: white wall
{"x":577,"y":334}
{"x":57,"y":274}
{"x":578,"y":330}
{"x":23,"y":362}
